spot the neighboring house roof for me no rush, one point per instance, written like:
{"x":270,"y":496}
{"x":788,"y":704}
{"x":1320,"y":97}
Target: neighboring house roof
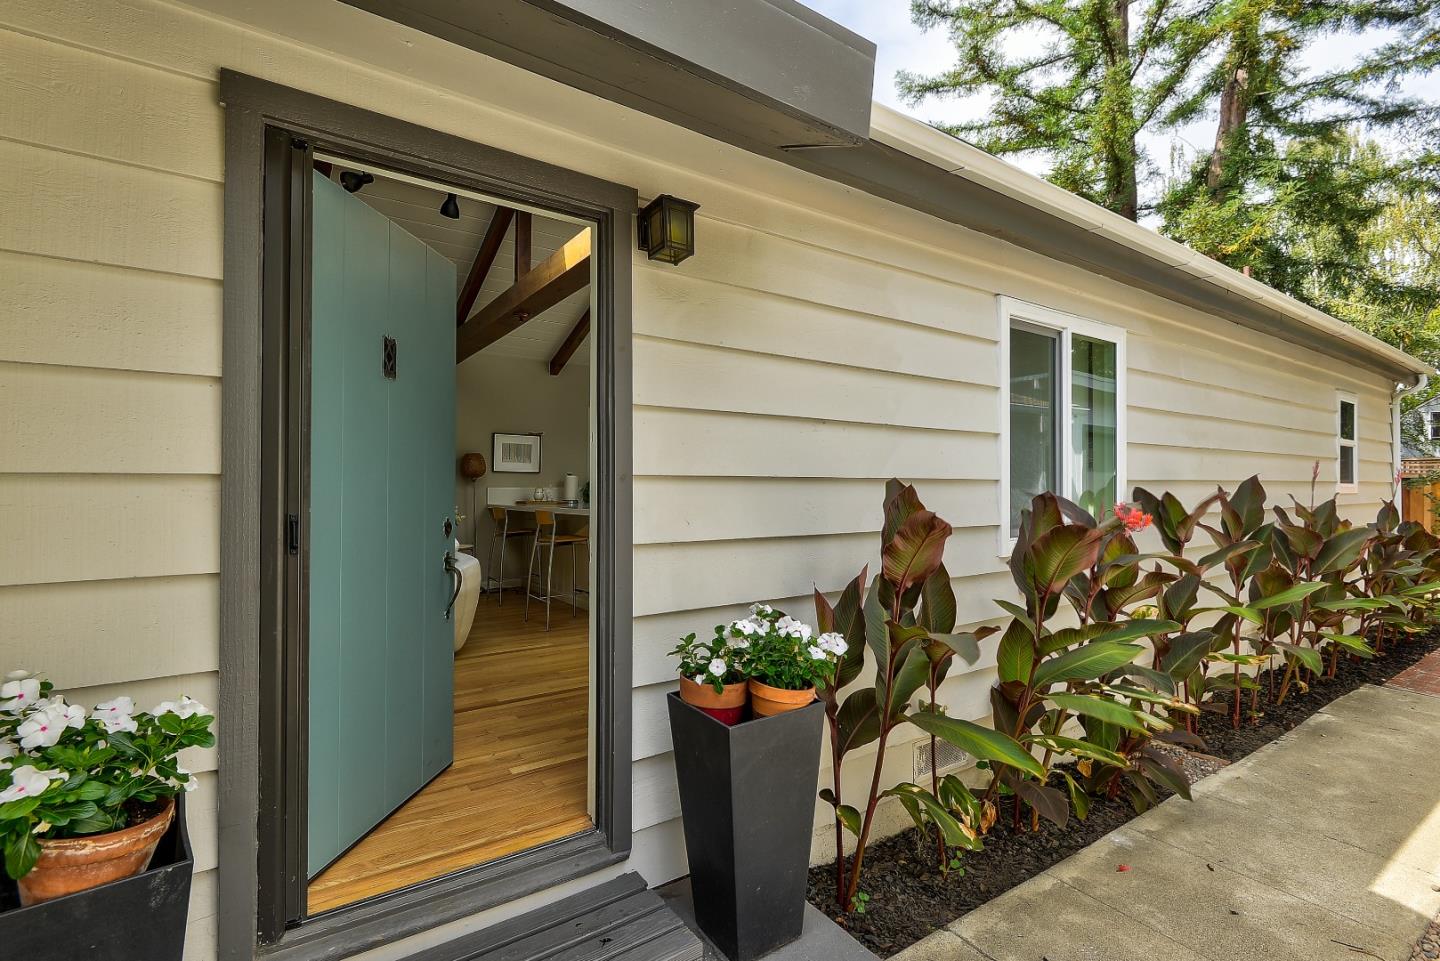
{"x":1409,"y":451}
{"x":779,"y":80}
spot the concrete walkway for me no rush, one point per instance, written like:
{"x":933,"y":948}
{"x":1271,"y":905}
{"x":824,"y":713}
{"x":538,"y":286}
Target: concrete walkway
{"x":1322,"y":846}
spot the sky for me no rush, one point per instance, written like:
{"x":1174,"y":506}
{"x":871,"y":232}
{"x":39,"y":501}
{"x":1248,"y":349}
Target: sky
{"x":902,"y":45}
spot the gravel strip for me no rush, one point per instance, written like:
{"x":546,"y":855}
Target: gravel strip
{"x":1428,"y":947}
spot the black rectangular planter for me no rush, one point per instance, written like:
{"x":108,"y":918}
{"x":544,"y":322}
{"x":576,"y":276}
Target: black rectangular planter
{"x":137,"y":919}
{"x":747,"y":796}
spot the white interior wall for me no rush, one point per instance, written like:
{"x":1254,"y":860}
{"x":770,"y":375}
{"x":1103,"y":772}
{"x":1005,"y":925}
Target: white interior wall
{"x":513,"y":395}
{"x":820,"y":341}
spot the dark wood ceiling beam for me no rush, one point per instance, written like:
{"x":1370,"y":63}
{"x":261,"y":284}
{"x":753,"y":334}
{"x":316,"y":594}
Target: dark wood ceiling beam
{"x":522,"y":243}
{"x":484,"y":260}
{"x":548,"y":282}
{"x":572,"y":343}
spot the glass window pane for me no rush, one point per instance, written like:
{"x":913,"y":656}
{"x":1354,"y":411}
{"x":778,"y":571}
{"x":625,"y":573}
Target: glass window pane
{"x":1093,"y":424}
{"x":1347,"y":420}
{"x":1347,"y":464}
{"x":1033,"y":408}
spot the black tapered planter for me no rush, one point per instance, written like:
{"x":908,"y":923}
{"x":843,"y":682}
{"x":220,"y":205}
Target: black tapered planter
{"x":141,"y":918}
{"x":747,"y":796}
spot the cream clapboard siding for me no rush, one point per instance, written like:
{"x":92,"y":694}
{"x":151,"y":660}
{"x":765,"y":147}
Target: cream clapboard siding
{"x":820,"y":342}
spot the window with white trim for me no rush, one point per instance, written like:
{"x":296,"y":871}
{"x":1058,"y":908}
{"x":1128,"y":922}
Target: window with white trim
{"x":1348,"y":454}
{"x":1435,"y":425}
{"x":1063,"y":403}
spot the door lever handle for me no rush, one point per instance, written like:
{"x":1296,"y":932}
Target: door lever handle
{"x":453,"y":570}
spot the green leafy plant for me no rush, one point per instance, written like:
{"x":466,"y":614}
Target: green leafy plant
{"x":786,"y":653}
{"x":1048,"y":675}
{"x":715,"y":662}
{"x":907,"y":611}
{"x":66,"y":772}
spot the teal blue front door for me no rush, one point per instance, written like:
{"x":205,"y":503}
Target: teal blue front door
{"x":381,"y":497}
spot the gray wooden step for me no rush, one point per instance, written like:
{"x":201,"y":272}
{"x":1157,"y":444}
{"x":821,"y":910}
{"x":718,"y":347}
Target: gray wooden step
{"x":620,"y":920}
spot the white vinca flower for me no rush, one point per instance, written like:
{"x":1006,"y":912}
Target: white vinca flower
{"x":746,"y":627}
{"x":789,"y":627}
{"x":19,"y":693}
{"x":832,"y":642}
{"x":187,"y":707}
{"x":28,"y":781}
{"x":43,"y":727}
{"x":816,"y":653}
{"x":114,"y":715}
{"x":189,"y":783}
{"x":761,"y":609}
{"x":740,"y":643}
{"x":7,"y":751}
{"x":718,"y":667}
{"x":19,"y":676}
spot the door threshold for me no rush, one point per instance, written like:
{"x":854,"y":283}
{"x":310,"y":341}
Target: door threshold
{"x":620,"y":920}
{"x":391,"y":917}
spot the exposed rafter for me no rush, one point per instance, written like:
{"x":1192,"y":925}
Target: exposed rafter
{"x":522,"y":243}
{"x":548,"y":282}
{"x":572,"y":343}
{"x":484,"y":260}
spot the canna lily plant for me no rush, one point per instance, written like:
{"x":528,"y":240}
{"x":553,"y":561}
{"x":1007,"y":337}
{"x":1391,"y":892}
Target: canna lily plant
{"x":905,"y":621}
{"x":1049,"y":675}
{"x":1109,"y":652}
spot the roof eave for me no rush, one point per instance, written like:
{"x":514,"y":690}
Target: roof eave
{"x":1101,"y":240}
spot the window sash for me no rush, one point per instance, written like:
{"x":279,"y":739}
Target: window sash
{"x":1347,"y":449}
{"x":1015,"y":314}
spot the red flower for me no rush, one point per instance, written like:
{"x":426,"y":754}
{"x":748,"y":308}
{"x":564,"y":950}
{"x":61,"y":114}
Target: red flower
{"x":1132,"y":517}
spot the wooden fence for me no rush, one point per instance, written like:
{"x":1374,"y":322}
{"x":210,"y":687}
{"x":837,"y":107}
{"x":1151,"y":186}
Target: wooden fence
{"x":1419,"y":501}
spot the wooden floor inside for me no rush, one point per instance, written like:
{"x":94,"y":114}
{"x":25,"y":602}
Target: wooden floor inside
{"x":520,"y":773}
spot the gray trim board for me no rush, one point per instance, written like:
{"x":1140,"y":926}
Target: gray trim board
{"x":257,"y":685}
{"x":771,"y":72}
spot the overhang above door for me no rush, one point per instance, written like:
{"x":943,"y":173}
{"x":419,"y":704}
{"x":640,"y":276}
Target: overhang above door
{"x":756,"y":73}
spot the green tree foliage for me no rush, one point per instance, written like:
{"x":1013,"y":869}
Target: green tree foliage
{"x":1289,"y":190}
{"x":1075,"y":79}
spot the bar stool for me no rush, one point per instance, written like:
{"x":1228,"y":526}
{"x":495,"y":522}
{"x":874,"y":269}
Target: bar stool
{"x":546,"y":535}
{"x":499,"y":537}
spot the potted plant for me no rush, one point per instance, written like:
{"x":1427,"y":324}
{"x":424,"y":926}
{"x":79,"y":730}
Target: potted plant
{"x":86,"y":798}
{"x":711,"y":674}
{"x":785,"y":660}
{"x":747,"y":790}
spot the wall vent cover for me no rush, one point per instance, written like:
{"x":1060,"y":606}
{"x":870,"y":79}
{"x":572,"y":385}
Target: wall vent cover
{"x":948,"y":758}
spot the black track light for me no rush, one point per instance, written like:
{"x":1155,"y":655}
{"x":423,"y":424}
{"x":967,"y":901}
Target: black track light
{"x":353,"y":181}
{"x":450,"y":208}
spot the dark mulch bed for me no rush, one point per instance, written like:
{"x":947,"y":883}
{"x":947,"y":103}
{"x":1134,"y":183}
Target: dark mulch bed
{"x":1224,"y":741}
{"x":910,"y":899}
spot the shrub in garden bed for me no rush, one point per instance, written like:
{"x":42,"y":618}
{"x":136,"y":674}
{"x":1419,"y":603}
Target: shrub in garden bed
{"x":1109,"y":652}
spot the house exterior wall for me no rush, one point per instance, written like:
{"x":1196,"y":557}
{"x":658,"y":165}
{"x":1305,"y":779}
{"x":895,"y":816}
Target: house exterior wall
{"x":819,"y":342}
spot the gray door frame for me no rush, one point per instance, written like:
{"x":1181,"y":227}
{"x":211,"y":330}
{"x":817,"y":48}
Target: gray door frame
{"x":261,"y":674}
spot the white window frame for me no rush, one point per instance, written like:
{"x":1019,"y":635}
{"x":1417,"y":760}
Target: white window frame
{"x":1347,"y":397}
{"x":1432,"y":425}
{"x":1013,"y":311}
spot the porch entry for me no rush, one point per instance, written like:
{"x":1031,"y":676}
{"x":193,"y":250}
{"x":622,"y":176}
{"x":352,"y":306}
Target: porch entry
{"x":443,"y":531}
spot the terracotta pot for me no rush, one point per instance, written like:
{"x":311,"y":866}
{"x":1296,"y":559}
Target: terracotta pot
{"x":68,"y":865}
{"x":766,"y":700}
{"x":727,"y":707}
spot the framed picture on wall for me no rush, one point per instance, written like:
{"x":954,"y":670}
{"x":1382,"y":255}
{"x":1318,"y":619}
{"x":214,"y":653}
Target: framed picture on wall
{"x":516,"y":453}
